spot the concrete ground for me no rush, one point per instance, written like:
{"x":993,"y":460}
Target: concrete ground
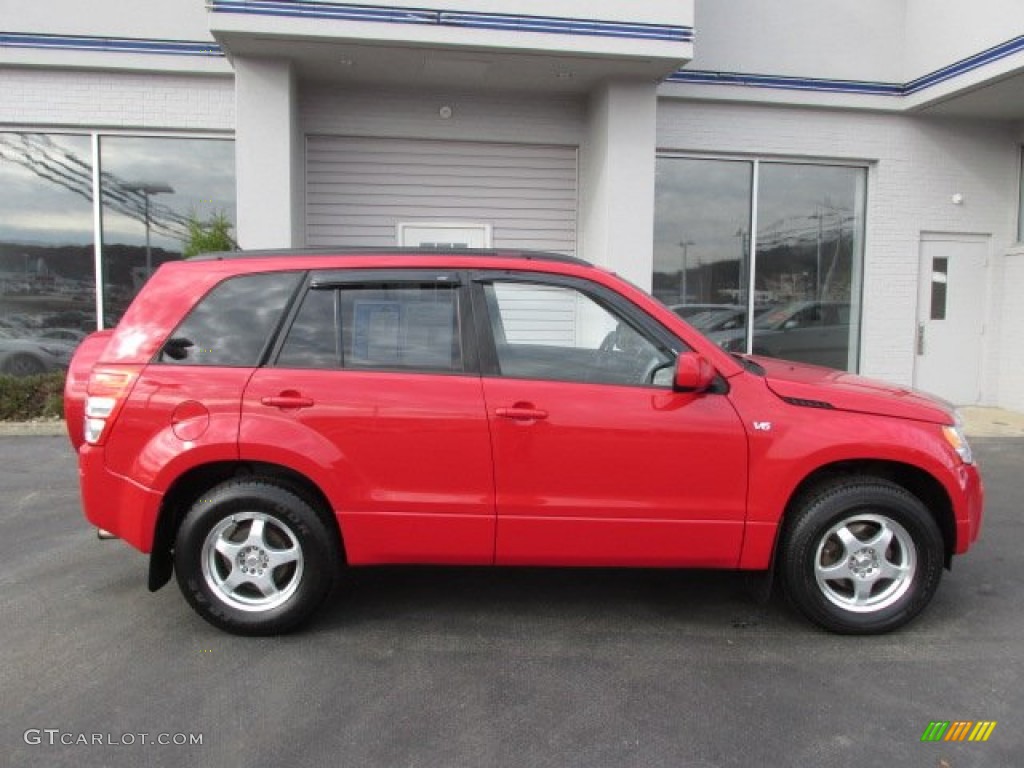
{"x":446,"y":667}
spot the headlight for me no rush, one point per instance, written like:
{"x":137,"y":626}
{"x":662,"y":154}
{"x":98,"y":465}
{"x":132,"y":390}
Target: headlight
{"x":958,"y":441}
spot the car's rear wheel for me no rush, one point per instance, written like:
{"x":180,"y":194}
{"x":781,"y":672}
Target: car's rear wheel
{"x":861,"y":556}
{"x":253,"y":558}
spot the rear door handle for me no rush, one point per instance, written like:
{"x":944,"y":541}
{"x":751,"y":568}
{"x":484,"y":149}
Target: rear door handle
{"x":520,"y":413}
{"x":288,"y":400}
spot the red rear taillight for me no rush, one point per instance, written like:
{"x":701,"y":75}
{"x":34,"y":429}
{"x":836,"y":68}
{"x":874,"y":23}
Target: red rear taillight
{"x":109,"y":387}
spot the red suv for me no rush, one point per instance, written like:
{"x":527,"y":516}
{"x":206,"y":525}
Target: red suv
{"x":259,"y":420}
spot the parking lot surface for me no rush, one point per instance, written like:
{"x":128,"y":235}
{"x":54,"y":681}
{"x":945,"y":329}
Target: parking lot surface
{"x":448,"y":667}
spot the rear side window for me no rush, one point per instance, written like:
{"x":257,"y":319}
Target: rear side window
{"x":232,"y":324}
{"x":377,"y":327}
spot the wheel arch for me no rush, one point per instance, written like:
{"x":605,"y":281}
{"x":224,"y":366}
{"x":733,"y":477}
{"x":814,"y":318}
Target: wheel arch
{"x":184,"y":491}
{"x":916,"y":481}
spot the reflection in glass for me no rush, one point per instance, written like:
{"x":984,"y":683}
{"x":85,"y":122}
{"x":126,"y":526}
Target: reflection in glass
{"x":702,"y":232}
{"x":47,"y":279}
{"x":809,"y":253}
{"x":149,"y":188}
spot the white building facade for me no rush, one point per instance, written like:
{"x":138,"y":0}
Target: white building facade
{"x":854,"y":166}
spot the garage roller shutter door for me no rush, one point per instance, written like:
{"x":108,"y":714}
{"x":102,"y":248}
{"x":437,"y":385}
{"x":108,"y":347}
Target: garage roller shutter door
{"x":359,"y":189}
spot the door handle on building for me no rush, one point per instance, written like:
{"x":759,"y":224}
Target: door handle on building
{"x":920,"y":338}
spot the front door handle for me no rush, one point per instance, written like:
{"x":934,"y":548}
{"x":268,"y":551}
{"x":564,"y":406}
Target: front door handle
{"x":288,"y":400}
{"x":521,"y":413}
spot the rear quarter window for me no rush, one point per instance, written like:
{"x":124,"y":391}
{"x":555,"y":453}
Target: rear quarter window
{"x":233,"y":323}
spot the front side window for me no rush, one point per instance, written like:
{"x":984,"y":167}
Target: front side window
{"x":559,"y":333}
{"x":409,"y":327}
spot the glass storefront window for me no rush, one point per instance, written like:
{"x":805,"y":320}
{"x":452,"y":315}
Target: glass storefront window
{"x":702,"y":233}
{"x":807,"y":261}
{"x":150,"y":188}
{"x":47,"y":277}
{"x":809,"y":224}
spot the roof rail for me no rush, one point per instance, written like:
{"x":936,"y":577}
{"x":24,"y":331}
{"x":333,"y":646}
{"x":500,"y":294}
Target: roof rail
{"x":396,"y":251}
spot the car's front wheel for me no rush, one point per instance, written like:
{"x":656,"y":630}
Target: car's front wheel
{"x":253,"y":558}
{"x":861,"y":555}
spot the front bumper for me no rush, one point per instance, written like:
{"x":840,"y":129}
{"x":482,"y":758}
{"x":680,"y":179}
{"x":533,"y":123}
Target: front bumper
{"x":970,"y":508}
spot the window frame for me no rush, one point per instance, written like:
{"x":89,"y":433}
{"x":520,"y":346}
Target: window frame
{"x":660,"y":336}
{"x":335,"y":279}
{"x":272,"y":337}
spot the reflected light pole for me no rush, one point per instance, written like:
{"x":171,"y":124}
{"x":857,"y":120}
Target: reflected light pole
{"x":147,"y":188}
{"x":685,"y":245}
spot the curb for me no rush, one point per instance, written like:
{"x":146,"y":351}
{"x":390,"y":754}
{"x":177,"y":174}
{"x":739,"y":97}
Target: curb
{"x":47,"y":428}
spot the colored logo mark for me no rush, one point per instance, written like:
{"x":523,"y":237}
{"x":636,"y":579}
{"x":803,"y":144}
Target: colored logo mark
{"x":958,"y":730}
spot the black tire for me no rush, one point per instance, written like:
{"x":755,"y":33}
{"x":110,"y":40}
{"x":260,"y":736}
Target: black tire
{"x":23,"y":364}
{"x":253,"y":558}
{"x":834,"y":566}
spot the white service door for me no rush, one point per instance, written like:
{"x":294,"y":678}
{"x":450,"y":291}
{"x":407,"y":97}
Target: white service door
{"x":951,"y":317}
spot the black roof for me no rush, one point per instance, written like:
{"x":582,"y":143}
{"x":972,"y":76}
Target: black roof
{"x":378,"y":250}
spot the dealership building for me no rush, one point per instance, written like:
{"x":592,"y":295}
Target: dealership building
{"x":850,"y":169}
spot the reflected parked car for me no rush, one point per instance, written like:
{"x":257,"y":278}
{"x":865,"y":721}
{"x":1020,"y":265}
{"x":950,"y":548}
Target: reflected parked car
{"x":22,"y":355}
{"x":815,"y":332}
{"x":70,"y":336}
{"x":688,"y":311}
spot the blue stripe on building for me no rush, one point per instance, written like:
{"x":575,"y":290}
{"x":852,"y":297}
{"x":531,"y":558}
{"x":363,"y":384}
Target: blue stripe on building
{"x":110,"y":44}
{"x":467,"y":20}
{"x":874,"y":88}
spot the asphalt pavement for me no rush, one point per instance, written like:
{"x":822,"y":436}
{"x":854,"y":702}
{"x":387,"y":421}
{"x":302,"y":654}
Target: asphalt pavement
{"x":446,"y":667}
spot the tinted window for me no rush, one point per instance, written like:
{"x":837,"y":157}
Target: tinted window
{"x":559,"y":333}
{"x":312,"y":341}
{"x":231,"y":325}
{"x":377,"y":327}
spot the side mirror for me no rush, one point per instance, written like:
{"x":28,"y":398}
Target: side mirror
{"x":693,"y":373}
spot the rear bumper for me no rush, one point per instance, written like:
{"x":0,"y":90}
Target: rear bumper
{"x":970,"y":509}
{"x":115,"y":503}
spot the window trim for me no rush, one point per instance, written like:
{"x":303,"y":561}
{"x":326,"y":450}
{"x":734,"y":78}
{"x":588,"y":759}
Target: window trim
{"x":648,"y":326}
{"x":334,"y":280}
{"x":158,"y":356}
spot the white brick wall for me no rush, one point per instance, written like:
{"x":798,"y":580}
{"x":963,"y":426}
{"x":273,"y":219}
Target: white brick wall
{"x":917,"y":164}
{"x":1011,"y":350}
{"x":92,"y":100}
